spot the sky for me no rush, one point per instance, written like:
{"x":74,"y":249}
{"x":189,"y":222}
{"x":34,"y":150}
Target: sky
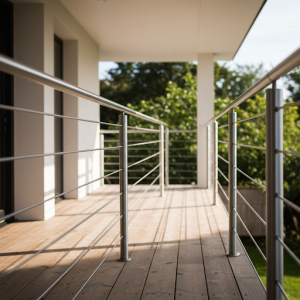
{"x":274,"y":35}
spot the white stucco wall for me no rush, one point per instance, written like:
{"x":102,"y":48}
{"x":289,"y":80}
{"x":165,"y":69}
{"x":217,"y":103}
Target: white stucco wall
{"x":34,"y":27}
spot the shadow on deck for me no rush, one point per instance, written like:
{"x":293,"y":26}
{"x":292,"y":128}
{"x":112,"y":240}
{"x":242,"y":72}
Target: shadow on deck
{"x":177,"y":246}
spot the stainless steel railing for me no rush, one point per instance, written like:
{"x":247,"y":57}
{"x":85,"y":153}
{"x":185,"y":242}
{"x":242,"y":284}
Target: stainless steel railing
{"x":180,"y":162}
{"x":274,"y":174}
{"x":123,"y":147}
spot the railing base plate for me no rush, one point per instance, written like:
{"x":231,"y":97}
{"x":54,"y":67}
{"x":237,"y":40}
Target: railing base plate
{"x":233,"y":254}
{"x":124,"y":260}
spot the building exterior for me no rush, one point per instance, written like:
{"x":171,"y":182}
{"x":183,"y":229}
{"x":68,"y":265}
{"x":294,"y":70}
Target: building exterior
{"x":66,"y":39}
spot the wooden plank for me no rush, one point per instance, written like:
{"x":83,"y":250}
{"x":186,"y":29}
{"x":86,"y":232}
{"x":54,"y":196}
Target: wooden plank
{"x":50,"y":258}
{"x":41,"y":237}
{"x":9,"y":228}
{"x":85,"y":268}
{"x":191,"y":282}
{"x":161,"y":279}
{"x":100,"y":286}
{"x":132,"y":279}
{"x":246,"y":277}
{"x":63,"y":254}
{"x":220,"y":280}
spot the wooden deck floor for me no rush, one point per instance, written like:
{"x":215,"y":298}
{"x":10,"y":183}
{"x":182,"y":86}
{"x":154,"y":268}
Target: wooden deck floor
{"x":177,"y":246}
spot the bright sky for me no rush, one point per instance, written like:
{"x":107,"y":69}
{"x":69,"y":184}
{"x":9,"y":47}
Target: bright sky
{"x":274,"y":35}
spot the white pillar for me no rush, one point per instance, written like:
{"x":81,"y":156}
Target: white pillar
{"x":34,"y":178}
{"x":205,"y":111}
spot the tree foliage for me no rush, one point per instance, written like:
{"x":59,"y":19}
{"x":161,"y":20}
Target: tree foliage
{"x":178,"y":108}
{"x":133,"y":82}
{"x":176,"y":105}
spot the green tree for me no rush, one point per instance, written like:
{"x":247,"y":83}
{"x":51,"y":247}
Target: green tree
{"x":178,"y":109}
{"x":232,"y":83}
{"x":133,"y":82}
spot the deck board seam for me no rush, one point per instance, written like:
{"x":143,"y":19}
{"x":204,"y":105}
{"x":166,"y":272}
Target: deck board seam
{"x":200,"y":238}
{"x":159,"y":238}
{"x":226,"y":255}
{"x":132,"y":249}
{"x":179,"y":240}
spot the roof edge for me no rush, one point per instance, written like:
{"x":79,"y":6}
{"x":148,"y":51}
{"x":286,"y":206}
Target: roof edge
{"x":261,"y":7}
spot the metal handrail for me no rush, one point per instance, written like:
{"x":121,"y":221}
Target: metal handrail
{"x":288,"y":64}
{"x":274,"y":172}
{"x":12,"y":67}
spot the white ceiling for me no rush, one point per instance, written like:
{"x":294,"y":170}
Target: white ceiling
{"x":165,"y":30}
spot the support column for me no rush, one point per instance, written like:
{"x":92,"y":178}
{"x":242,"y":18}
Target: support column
{"x":274,"y":182}
{"x":205,"y":111}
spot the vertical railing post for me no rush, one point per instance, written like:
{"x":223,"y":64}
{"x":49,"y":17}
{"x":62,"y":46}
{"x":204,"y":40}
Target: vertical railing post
{"x":102,"y":159}
{"x":161,"y":161}
{"x":208,"y":141}
{"x":167,"y":155}
{"x":123,"y":187}
{"x":232,"y":158}
{"x":216,"y":188}
{"x":274,"y":182}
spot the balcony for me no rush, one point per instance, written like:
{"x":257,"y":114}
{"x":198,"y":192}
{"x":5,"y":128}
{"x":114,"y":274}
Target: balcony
{"x":141,"y":241}
{"x":177,"y":245}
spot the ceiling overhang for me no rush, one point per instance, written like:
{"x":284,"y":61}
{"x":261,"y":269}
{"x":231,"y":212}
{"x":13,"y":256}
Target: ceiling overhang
{"x":165,"y":30}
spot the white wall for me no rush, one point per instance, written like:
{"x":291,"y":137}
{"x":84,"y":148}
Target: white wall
{"x":205,"y":111}
{"x":35,"y":26}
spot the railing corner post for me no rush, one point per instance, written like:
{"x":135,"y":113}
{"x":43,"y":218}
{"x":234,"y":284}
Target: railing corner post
{"x":274,"y":186}
{"x":123,"y":188}
{"x":161,"y":161}
{"x":102,"y":159}
{"x":167,"y":133}
{"x":232,"y":158}
{"x":215,"y":182}
{"x":208,"y":141}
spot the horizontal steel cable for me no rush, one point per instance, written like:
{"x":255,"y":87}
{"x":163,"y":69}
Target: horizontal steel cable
{"x":254,"y":269}
{"x":254,"y":117}
{"x":183,"y":156}
{"x":146,"y":129}
{"x":54,"y":197}
{"x":144,"y":192}
{"x":294,"y":153}
{"x":145,"y":143}
{"x":248,"y":146}
{"x":289,"y":203}
{"x":184,"y":171}
{"x":180,"y":141}
{"x":97,"y":268}
{"x":78,"y":259}
{"x":223,"y":174}
{"x":296,"y":103}
{"x":5,"y":159}
{"x":143,"y":160}
{"x":143,"y":207}
{"x":58,"y":238}
{"x":13,"y":108}
{"x":144,"y":176}
{"x":289,"y":251}
{"x":224,"y":142}
{"x":182,"y":177}
{"x":223,"y":159}
{"x":282,"y":291}
{"x":250,"y":177}
{"x":176,"y":164}
{"x":254,"y":211}
{"x":223,"y":191}
{"x":223,"y":126}
{"x":252,"y":238}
